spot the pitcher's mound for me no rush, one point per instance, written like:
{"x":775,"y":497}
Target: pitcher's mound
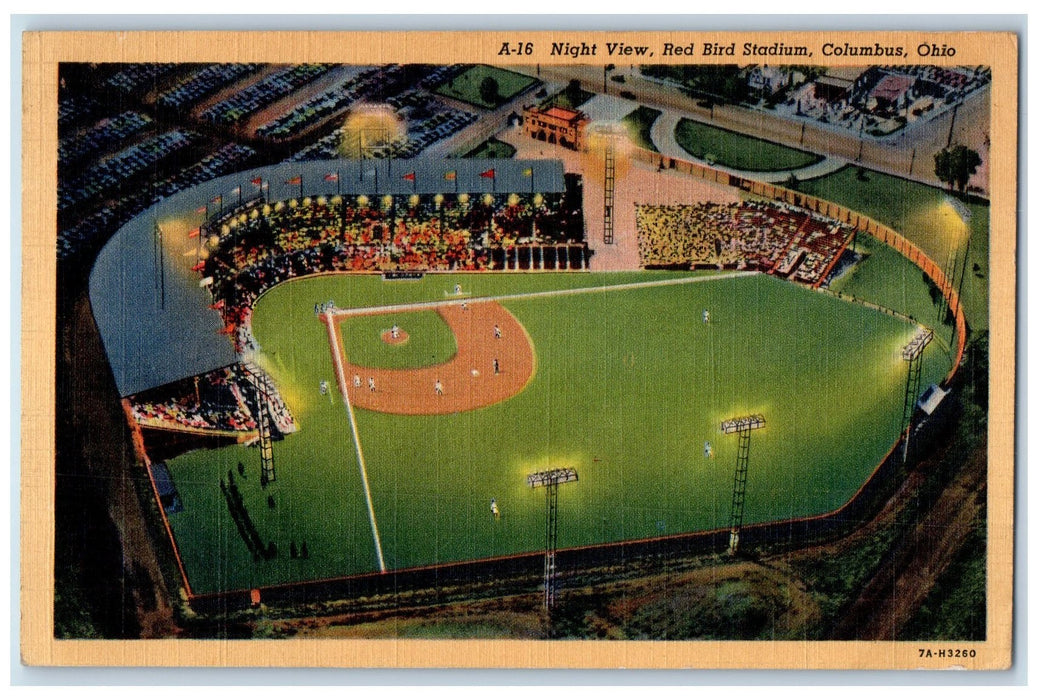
{"x":400,"y":339}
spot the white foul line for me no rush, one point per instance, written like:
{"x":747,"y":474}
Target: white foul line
{"x":356,"y":437}
{"x":368,"y":310}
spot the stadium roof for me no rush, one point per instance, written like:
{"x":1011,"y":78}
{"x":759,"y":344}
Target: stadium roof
{"x":153,"y":316}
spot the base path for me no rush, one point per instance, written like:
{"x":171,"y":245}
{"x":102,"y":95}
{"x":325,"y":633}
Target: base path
{"x":413,"y":391}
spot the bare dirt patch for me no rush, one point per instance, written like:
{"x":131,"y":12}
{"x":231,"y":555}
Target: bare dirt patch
{"x":488,"y":367}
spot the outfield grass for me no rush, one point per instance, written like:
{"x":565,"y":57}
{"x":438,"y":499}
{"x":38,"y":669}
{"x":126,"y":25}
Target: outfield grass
{"x":738,"y":151}
{"x":921,"y":214}
{"x":887,"y":278}
{"x":639,"y":126}
{"x":628,"y":386}
{"x":465,"y":87}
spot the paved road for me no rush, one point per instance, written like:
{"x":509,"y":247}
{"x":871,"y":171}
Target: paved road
{"x":908,"y":154}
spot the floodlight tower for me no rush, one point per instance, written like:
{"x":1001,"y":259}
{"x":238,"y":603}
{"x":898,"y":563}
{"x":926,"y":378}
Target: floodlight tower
{"x":550,"y":481}
{"x":743,"y":425}
{"x":259,"y":381}
{"x":609,"y":191}
{"x":912,"y":354}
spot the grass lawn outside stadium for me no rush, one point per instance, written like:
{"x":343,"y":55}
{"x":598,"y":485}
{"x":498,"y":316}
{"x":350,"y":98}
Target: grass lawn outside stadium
{"x":466,"y":86}
{"x":734,"y":150}
{"x":628,"y":386}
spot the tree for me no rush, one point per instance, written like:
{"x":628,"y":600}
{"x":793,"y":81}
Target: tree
{"x":489,"y":90}
{"x":955,"y":164}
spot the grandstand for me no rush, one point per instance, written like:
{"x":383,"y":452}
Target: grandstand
{"x":768,"y":236}
{"x":259,"y":231}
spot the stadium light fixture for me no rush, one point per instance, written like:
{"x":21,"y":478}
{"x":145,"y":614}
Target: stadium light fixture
{"x":550,"y":480}
{"x":734,"y":425}
{"x":743,"y":425}
{"x":914,"y":348}
{"x":551,"y":477}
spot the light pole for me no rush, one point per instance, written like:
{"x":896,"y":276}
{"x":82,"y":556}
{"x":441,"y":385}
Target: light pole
{"x":743,"y":425}
{"x":549,"y":481}
{"x":912,"y":354}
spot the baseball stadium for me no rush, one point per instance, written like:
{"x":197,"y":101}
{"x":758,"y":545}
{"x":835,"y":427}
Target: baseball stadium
{"x":393,"y":330}
{"x":330,"y":379}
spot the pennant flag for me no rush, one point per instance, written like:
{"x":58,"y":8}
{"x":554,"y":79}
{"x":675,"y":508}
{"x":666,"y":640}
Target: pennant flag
{"x":297,"y":180}
{"x":331,"y":177}
{"x":450,"y":175}
{"x":528,"y":172}
{"x":258,"y":181}
{"x":195,"y":233}
{"x":488,"y":173}
{"x":409,"y":177}
{"x":202,"y":209}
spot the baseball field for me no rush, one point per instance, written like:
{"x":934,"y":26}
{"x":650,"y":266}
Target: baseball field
{"x":613,"y":374}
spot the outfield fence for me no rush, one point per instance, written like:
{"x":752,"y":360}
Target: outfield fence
{"x":856,"y":220}
{"x":523,"y":570}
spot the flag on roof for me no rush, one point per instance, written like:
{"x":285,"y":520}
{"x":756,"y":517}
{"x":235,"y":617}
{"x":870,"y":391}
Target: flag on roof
{"x":236,"y":190}
{"x":450,"y":175}
{"x":331,"y":177}
{"x":297,"y":180}
{"x":488,"y":173}
{"x":528,"y":172}
{"x":409,"y":176}
{"x":258,"y":181}
{"x":217,"y":199}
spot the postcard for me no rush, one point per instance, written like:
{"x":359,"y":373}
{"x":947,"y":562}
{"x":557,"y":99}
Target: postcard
{"x":519,"y":349}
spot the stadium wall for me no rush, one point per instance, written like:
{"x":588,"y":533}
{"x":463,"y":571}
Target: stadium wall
{"x":524,"y":571}
{"x":859,"y":222}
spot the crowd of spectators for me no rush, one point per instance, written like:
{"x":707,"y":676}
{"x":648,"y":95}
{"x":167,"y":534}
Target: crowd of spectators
{"x":192,"y":88}
{"x":213,"y":401}
{"x":762,"y":235}
{"x":103,"y":135}
{"x":264,"y":92}
{"x":265,"y":245}
{"x":110,"y":173}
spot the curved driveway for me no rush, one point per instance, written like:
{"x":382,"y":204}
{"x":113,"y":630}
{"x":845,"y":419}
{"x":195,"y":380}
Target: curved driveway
{"x":662,"y":135}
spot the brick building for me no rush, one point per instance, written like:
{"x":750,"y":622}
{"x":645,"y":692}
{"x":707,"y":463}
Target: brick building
{"x":556,"y":125}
